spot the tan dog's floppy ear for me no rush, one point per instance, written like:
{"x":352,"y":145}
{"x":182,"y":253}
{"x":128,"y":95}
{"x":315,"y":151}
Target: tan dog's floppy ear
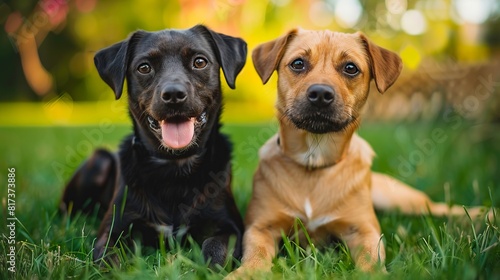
{"x":267,"y":56}
{"x":385,"y":65}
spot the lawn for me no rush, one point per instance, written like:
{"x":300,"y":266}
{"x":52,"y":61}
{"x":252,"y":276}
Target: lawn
{"x":457,"y":163}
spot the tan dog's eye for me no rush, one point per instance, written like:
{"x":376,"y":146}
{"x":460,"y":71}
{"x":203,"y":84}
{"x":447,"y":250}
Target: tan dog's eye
{"x":200,"y":63}
{"x":144,"y":68}
{"x":351,"y":69}
{"x":298,"y":65}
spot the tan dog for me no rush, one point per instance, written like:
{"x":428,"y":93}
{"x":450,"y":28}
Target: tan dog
{"x":317,"y":168}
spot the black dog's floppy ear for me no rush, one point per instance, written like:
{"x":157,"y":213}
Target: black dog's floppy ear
{"x":111,"y":63}
{"x":231,"y":53}
{"x":267,"y":56}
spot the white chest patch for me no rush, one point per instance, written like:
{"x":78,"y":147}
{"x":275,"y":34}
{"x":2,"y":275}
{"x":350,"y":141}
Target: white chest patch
{"x":311,"y":222}
{"x":166,"y":230}
{"x":308,"y":209}
{"x":318,"y":222}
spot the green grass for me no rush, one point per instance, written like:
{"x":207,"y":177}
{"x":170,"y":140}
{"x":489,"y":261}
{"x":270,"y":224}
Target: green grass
{"x":457,"y":163}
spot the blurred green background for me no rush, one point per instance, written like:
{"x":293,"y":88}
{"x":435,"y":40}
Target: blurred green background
{"x":437,"y":128}
{"x":47,"y":48}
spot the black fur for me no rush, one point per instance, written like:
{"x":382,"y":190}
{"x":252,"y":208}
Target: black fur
{"x":182,"y":191}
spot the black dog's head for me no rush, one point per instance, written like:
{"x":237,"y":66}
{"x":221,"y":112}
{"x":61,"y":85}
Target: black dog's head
{"x":173,"y":80}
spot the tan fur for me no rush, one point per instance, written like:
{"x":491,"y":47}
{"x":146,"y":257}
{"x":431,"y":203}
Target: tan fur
{"x":324,"y":179}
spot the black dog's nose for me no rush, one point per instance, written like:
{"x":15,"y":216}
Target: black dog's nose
{"x":320,"y":95}
{"x":174,"y":94}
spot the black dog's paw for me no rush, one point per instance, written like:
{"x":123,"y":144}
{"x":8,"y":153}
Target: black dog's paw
{"x":215,"y":250}
{"x":106,"y":261}
{"x":103,"y":254}
{"x":100,"y":248}
{"x":98,"y":254}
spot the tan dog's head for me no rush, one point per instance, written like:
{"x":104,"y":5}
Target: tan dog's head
{"x":324,"y":76}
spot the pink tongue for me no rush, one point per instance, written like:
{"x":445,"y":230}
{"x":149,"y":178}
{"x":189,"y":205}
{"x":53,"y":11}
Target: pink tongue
{"x":177,"y":135}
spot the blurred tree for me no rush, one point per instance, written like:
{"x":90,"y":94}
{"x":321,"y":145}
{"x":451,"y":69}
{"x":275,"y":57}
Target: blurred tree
{"x":12,"y":81}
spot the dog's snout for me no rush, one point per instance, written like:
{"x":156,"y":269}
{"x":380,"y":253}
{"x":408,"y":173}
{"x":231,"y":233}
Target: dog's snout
{"x":174,"y":94}
{"x":320,"y":95}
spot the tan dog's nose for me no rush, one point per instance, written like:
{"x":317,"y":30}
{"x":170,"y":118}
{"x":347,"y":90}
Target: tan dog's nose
{"x":320,"y":95}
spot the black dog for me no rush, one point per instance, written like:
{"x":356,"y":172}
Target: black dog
{"x":172,"y":175}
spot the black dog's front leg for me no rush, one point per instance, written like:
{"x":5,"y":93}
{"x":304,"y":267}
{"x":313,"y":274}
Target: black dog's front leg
{"x":114,"y":224}
{"x":216,"y":248}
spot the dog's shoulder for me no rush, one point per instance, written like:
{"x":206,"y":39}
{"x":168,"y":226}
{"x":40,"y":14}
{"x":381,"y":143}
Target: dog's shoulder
{"x":270,"y":149}
{"x":361,"y":149}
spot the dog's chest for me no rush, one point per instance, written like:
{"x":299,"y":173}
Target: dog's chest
{"x":312,"y":215}
{"x":309,"y":195}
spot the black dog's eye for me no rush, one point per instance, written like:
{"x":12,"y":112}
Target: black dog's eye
{"x":351,"y":69}
{"x":298,"y":65}
{"x":144,"y":68}
{"x":200,"y":63}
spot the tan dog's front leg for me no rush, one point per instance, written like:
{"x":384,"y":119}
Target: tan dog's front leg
{"x":368,"y":250}
{"x":259,"y":249}
{"x":364,"y":242}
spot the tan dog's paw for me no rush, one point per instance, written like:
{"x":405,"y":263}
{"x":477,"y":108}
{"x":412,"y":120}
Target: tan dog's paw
{"x":236,"y":274}
{"x":244,"y":273}
{"x":486,"y":214}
